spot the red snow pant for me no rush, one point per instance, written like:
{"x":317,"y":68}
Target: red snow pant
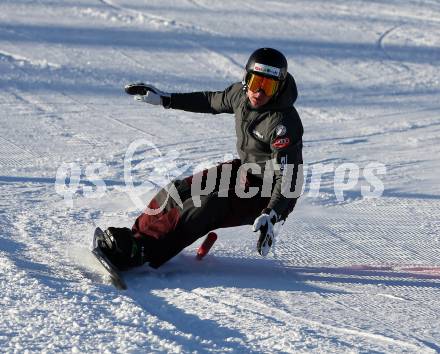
{"x":175,"y":227}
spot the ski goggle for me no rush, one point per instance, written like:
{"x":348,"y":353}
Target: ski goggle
{"x":256,"y":83}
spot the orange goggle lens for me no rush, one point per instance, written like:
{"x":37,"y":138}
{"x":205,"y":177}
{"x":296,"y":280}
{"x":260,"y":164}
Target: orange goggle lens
{"x":256,"y":83}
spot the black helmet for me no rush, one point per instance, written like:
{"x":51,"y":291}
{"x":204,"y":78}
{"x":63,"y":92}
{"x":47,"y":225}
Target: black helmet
{"x":268,"y":62}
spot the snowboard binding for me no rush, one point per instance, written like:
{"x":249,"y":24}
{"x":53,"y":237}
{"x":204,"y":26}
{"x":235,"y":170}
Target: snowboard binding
{"x":99,"y":243}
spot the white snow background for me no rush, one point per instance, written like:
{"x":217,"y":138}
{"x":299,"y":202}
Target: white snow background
{"x":357,"y":276}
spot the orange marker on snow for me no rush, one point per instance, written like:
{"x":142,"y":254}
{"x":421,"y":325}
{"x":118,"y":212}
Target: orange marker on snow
{"x":206,"y":245}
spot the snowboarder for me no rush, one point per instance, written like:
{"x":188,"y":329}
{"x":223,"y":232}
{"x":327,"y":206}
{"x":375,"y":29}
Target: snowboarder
{"x":268,"y":128}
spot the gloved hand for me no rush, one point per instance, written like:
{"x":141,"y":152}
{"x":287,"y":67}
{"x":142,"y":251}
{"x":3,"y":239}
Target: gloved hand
{"x":265,"y":224}
{"x":148,"y":94}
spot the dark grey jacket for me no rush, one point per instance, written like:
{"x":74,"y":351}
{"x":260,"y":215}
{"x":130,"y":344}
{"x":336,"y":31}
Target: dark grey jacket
{"x":273,"y":131}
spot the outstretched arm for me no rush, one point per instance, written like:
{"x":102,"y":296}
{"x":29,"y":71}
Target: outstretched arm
{"x":199,"y":102}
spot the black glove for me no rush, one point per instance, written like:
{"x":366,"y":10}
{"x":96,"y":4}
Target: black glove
{"x":148,"y":94}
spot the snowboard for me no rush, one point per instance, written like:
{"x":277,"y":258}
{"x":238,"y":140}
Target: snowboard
{"x":206,"y":245}
{"x":115,"y":277}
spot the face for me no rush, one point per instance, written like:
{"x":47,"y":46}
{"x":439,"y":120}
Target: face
{"x":258,"y":99}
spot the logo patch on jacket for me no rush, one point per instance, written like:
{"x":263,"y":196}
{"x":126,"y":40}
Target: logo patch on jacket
{"x":281,"y":143}
{"x":280,"y":130}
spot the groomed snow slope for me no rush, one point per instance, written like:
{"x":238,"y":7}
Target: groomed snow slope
{"x":358,"y":275}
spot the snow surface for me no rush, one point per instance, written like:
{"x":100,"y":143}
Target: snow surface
{"x":358,"y":275}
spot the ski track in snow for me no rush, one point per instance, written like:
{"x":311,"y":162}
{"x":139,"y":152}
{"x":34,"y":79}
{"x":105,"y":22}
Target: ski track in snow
{"x":361,"y":275}
{"x":159,"y":20}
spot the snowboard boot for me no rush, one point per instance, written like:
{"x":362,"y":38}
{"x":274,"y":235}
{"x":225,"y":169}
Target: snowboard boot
{"x":122,"y":248}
